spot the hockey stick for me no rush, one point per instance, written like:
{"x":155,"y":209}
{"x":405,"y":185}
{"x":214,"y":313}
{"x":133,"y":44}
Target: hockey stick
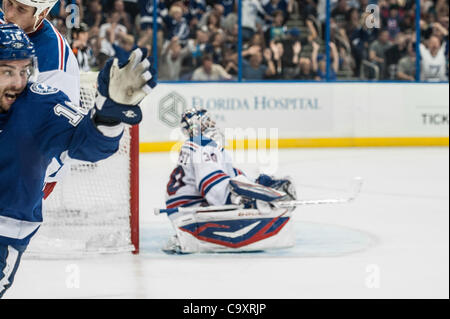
{"x":197,"y":209}
{"x":356,"y":189}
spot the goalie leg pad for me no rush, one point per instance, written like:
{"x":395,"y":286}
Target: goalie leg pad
{"x":232,"y":231}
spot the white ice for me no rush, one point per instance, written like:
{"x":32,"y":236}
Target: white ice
{"x":392,"y":242}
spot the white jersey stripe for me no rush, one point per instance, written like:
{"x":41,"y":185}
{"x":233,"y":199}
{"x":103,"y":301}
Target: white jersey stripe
{"x":9,"y":267}
{"x":61,"y":48}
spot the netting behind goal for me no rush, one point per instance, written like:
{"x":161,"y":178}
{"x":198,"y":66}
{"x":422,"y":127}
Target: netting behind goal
{"x":94,"y":209}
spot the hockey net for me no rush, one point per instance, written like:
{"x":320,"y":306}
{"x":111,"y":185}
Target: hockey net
{"x":94,"y":208}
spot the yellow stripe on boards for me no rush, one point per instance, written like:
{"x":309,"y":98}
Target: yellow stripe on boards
{"x":150,"y":147}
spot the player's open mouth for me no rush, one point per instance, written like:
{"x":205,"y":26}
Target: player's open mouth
{"x":10,"y":97}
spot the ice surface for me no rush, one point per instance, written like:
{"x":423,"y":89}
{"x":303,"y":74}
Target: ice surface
{"x":392,"y":242}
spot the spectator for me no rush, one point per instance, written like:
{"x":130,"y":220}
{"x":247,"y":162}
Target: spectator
{"x":197,"y":46}
{"x":319,"y":64}
{"x":377,"y":51}
{"x":124,"y":16}
{"x":210,"y":71}
{"x":393,"y":22}
{"x":394,"y":53}
{"x":285,"y":6}
{"x":94,"y":16}
{"x":306,"y":71}
{"x":291,"y":53}
{"x":216,"y":47}
{"x":107,"y":36}
{"x":213,"y":23}
{"x":433,"y":61}
{"x":277,"y":54}
{"x":146,"y":23}
{"x":171,"y":62}
{"x":82,"y":52}
{"x":277,"y":30}
{"x":251,"y":10}
{"x":254,"y":69}
{"x":176,"y":24}
{"x":339,"y":14}
{"x":406,"y":70}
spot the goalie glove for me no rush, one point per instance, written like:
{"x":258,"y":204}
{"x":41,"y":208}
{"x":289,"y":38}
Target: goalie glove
{"x":261,"y":194}
{"x":121,"y":87}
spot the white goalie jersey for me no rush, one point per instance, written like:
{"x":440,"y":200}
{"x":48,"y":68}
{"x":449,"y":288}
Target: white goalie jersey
{"x":201,"y":176}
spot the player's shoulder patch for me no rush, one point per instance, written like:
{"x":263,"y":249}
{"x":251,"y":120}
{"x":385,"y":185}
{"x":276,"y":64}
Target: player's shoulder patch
{"x":43,"y":89}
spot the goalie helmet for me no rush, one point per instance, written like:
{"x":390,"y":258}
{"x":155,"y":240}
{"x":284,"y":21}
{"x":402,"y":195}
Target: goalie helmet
{"x":196,"y":122}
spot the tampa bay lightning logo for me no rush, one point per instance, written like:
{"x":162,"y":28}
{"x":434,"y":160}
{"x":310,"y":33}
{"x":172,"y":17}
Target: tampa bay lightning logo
{"x":236,"y":233}
{"x":43,"y":89}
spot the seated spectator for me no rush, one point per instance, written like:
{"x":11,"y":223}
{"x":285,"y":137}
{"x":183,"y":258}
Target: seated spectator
{"x":230,"y":61}
{"x":216,"y":47}
{"x":394,"y":53}
{"x":377,"y":52}
{"x":433,"y":60}
{"x":319,"y":63}
{"x":306,"y":72}
{"x":406,"y":70}
{"x":277,"y":30}
{"x":291,"y":53}
{"x":284,"y":6}
{"x":339,"y":13}
{"x":124,"y":16}
{"x":393,"y":21}
{"x":213,"y":23}
{"x":210,"y":71}
{"x":254,"y":69}
{"x":176,"y":24}
{"x":94,"y":16}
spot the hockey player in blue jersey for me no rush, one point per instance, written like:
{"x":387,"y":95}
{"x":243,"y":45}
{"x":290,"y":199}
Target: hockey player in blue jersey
{"x":38,"y":122}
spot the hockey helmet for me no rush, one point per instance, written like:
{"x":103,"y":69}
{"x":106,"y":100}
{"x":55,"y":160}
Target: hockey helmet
{"x":15,"y":45}
{"x":195,"y":122}
{"x":40,"y":5}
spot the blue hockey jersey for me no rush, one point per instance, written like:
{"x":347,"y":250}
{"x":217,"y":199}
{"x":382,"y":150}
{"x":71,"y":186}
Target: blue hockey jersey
{"x":40,"y":125}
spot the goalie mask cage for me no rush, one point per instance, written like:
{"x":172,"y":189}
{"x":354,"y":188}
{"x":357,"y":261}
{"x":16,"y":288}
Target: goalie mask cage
{"x":94,"y":208}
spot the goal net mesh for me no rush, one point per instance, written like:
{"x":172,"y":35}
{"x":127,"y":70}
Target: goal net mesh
{"x":88,"y":211}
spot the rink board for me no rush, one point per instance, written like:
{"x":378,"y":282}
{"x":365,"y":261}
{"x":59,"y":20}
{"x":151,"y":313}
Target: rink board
{"x":302,"y":114}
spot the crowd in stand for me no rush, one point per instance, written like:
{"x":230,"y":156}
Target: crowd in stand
{"x":197,"y":40}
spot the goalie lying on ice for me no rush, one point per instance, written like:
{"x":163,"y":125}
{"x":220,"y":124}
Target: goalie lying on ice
{"x":241,"y":214}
